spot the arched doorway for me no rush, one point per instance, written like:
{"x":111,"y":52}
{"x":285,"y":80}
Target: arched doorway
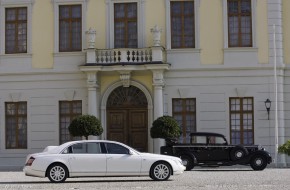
{"x":127,"y":117}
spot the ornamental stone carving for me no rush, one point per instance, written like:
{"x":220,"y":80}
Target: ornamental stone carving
{"x":91,"y":37}
{"x":158,"y":79}
{"x":156,"y":32}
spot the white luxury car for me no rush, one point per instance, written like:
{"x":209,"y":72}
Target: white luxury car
{"x":90,"y":158}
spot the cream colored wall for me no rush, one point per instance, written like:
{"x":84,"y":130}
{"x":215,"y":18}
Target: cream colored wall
{"x":96,"y":19}
{"x":42,"y":34}
{"x":155,"y":15}
{"x":286,"y":31}
{"x":211,"y":32}
{"x":262,"y":32}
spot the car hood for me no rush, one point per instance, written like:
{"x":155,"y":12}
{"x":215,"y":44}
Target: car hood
{"x":159,"y":156}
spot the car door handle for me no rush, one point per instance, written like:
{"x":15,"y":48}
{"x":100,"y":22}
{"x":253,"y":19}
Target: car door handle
{"x":109,"y":158}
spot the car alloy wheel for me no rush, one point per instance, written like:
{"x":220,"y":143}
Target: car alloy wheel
{"x":57,"y":173}
{"x":160,"y":171}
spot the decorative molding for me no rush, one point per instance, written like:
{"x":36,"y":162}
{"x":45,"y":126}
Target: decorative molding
{"x":125,"y":78}
{"x":69,"y":95}
{"x":183,"y":92}
{"x":15,"y":97}
{"x":241,"y":91}
{"x":158,"y":78}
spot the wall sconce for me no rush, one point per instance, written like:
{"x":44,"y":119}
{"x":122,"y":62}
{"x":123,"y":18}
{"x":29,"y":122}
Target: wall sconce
{"x":268,"y":106}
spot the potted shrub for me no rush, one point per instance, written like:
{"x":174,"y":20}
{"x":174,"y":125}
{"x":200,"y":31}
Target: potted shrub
{"x":284,"y":148}
{"x":165,"y":127}
{"x":85,"y":125}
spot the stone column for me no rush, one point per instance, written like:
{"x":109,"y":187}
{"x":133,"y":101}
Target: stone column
{"x":93,"y":99}
{"x":158,"y":83}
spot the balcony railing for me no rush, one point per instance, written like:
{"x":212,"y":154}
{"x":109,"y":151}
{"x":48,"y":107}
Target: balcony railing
{"x":132,"y":56}
{"x":125,"y":55}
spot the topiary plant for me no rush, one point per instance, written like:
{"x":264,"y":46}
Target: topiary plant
{"x":85,"y":125}
{"x":284,"y":148}
{"x":165,"y":127}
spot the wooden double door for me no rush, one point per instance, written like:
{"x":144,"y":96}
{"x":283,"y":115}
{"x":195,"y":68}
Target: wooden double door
{"x":129,"y":126}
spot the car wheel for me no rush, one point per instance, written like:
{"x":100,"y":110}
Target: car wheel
{"x":57,"y":173}
{"x":238,"y":153}
{"x":258,"y":162}
{"x":187,"y":161}
{"x":160,"y":171}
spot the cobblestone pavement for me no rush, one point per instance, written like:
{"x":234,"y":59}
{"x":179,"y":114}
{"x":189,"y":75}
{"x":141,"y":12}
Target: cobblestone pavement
{"x":199,"y":178}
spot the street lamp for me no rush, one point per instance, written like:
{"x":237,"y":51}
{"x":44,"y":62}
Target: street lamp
{"x":268,"y":106}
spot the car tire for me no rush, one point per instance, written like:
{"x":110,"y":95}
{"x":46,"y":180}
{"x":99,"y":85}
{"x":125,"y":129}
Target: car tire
{"x":238,"y":153}
{"x":160,"y":171}
{"x":57,"y":173}
{"x":187,"y":161}
{"x":258,"y":162}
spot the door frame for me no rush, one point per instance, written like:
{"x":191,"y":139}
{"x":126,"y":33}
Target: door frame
{"x":147,"y":94}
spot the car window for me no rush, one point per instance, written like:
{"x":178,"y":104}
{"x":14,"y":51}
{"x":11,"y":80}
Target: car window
{"x":84,"y":148}
{"x":113,"y":148}
{"x":198,"y":139}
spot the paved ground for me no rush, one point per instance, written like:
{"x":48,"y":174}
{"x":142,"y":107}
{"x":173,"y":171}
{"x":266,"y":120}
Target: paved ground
{"x":201,"y":179}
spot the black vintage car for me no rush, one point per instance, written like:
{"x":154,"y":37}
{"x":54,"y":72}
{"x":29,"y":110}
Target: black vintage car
{"x":212,"y":149}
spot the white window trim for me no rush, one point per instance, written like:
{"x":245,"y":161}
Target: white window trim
{"x":140,"y":22}
{"x":10,"y":4}
{"x":56,"y":4}
{"x":225,"y":23}
{"x":196,"y":21}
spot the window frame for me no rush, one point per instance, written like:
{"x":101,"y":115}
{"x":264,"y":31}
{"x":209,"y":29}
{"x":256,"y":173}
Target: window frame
{"x":126,"y":20}
{"x":185,"y":113}
{"x":196,"y":25}
{"x":226,"y":28}
{"x":17,"y":116}
{"x":56,"y":4}
{"x":141,"y":29}
{"x":71,"y":21}
{"x":71,"y":115}
{"x":14,"y":4}
{"x":16,"y":22}
{"x":241,"y":112}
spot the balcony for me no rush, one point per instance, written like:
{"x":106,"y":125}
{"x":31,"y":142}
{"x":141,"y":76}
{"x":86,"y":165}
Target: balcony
{"x":126,"y":56}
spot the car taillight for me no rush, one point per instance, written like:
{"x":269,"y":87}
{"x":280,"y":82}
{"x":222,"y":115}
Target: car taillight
{"x":30,"y":161}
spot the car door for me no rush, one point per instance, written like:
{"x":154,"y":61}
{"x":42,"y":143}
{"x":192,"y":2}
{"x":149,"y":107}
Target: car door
{"x":122,"y":162}
{"x":219,"y":151}
{"x":87,"y":159}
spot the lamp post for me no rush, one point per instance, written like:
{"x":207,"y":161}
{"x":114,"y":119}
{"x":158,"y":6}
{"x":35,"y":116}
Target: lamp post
{"x":268,"y":106}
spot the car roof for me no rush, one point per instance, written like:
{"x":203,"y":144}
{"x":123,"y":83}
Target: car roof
{"x":206,"y":134}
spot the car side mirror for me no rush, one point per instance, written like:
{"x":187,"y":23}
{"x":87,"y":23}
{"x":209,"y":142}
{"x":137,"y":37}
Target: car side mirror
{"x":131,"y":152}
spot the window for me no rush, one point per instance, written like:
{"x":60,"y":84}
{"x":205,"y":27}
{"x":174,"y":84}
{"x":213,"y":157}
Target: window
{"x":184,"y":111}
{"x":70,"y":28}
{"x":239,"y":23}
{"x":125,"y":25}
{"x":68,"y":110}
{"x":242,"y":120}
{"x":116,"y":149}
{"x":182,"y":24}
{"x":16,"y":30}
{"x":84,"y":148}
{"x":16,"y":125}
